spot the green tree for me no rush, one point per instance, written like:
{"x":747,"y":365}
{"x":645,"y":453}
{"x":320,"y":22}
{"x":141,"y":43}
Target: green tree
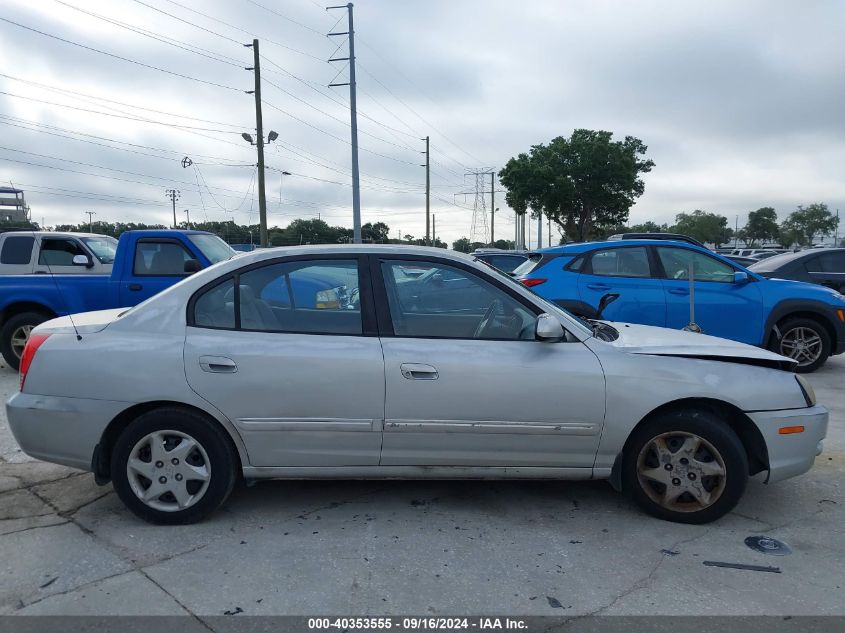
{"x":762,"y":225}
{"x":789,"y":235}
{"x":462,"y":245}
{"x":704,"y":226}
{"x":584,"y":184}
{"x":814,"y":220}
{"x":378,"y":233}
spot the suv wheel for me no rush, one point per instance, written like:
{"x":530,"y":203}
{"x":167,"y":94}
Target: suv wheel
{"x":15,"y":334}
{"x":171,"y":466}
{"x":685,"y":466}
{"x":804,"y":340}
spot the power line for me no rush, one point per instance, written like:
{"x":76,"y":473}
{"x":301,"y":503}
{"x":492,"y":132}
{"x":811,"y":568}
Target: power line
{"x":285,"y":17}
{"x":125,"y":59}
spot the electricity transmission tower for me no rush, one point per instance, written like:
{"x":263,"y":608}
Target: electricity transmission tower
{"x":479,"y":230}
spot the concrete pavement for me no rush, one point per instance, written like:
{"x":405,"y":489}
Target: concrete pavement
{"x":69,"y":547}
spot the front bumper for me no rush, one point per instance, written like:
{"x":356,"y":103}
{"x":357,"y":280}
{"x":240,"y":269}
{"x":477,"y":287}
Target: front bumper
{"x":793,"y":454}
{"x":60,"y":430}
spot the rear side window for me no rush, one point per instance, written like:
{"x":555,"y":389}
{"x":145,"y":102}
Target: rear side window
{"x":528,"y":265}
{"x":506,"y":263}
{"x":160,"y":258}
{"x":621,"y":262}
{"x":58,"y":251}
{"x":833,"y":262}
{"x":17,"y":249}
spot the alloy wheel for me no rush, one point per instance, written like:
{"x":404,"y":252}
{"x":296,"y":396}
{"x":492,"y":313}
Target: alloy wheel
{"x":681,"y":471}
{"x":168,"y":470}
{"x":19,"y":338}
{"x":801,"y":344}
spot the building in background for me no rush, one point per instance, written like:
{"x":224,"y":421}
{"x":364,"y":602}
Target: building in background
{"x":13,"y":207}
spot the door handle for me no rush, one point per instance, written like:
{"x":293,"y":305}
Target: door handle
{"x":418,"y":371}
{"x":218,"y":364}
{"x":678,"y":291}
{"x":135,"y":287}
{"x":598,"y":286}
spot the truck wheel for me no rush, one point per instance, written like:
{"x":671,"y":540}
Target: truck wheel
{"x":15,"y":334}
{"x":172,"y":466}
{"x":804,"y":340}
{"x":685,"y":466}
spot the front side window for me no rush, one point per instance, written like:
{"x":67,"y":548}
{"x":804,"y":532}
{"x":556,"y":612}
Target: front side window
{"x":160,"y":258}
{"x":58,"y":251}
{"x":621,"y":262}
{"x":309,"y":297}
{"x":449,"y":302}
{"x":17,"y":249}
{"x":677,"y":261}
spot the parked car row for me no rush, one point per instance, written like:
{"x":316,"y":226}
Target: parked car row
{"x":334,"y":361}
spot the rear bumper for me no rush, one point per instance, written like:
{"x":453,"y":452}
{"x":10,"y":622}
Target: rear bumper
{"x":793,"y":454}
{"x":60,"y":430}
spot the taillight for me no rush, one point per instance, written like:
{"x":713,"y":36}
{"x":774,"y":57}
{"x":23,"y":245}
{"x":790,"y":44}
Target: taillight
{"x":530,"y":283}
{"x":32,"y":344}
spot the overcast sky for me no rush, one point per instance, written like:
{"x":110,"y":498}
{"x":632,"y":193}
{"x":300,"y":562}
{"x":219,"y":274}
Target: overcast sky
{"x":740,"y":104}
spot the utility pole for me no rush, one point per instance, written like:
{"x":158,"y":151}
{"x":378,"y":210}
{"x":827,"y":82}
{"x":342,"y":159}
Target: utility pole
{"x":173,"y":194}
{"x":427,"y":192}
{"x":188,"y":213}
{"x":90,"y":222}
{"x":550,"y":232}
{"x":540,"y":229}
{"x":736,"y":231}
{"x":492,"y":208}
{"x":836,"y":231}
{"x":433,"y":230}
{"x":259,"y":142}
{"x":353,"y":114}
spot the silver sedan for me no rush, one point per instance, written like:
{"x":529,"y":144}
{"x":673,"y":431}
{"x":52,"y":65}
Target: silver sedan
{"x":331,"y":362}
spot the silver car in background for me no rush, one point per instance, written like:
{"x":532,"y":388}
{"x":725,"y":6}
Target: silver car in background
{"x":332,"y":362}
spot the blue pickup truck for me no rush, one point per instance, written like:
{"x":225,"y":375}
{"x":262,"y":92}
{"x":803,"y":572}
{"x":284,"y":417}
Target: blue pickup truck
{"x":145,"y":263}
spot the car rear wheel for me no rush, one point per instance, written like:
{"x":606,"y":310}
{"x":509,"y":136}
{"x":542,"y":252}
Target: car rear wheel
{"x":804,"y":340}
{"x":15,"y":334}
{"x":685,"y":466}
{"x":172,"y":466}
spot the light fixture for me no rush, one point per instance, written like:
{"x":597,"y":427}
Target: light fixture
{"x":247,"y":138}
{"x":272,"y":136}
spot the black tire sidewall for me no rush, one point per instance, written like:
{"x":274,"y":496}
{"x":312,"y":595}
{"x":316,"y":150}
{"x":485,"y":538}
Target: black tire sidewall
{"x":213,"y":440}
{"x":818,"y":328}
{"x":9,"y":327}
{"x":708,"y":426}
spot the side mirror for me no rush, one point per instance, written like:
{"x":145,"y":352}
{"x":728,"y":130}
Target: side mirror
{"x":740,"y":277}
{"x":192,"y":266}
{"x":605,"y":301}
{"x":548,"y":329}
{"x":82,"y":260}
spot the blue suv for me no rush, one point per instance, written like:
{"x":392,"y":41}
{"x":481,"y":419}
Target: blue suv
{"x":803,"y":321}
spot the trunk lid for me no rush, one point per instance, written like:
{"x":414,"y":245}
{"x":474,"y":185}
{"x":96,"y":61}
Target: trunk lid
{"x":85,"y":322}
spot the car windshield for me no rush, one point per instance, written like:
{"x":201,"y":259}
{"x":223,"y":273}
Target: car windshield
{"x":215,"y":249}
{"x":104,"y":247}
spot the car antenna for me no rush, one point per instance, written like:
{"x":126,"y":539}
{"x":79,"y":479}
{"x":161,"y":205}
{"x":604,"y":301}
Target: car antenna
{"x":61,"y":294}
{"x":692,"y":326}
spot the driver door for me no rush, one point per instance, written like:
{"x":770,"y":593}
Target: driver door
{"x":466,"y":382}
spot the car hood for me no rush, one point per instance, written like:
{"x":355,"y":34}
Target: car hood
{"x":658,"y":341}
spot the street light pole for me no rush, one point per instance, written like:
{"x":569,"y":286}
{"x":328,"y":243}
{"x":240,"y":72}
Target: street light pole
{"x":188,"y":213}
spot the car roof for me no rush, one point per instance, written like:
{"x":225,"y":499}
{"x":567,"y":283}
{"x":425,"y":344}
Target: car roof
{"x":261,"y":254}
{"x":773,"y":263}
{"x":585,"y":247}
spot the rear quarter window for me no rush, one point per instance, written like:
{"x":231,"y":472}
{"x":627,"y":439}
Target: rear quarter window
{"x":17,"y":249}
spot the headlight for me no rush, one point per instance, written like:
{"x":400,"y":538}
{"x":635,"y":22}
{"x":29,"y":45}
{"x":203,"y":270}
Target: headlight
{"x":807,"y":390}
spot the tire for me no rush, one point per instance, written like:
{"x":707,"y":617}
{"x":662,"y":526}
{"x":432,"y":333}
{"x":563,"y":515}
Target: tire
{"x":704,"y":495}
{"x":814,"y":351}
{"x":15,"y":327}
{"x":202,"y":475}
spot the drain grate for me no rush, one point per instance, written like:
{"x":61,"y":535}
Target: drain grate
{"x":768,"y":545}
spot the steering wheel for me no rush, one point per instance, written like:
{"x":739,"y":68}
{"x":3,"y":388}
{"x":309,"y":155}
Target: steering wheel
{"x":495,"y":306}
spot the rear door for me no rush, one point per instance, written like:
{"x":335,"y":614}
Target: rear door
{"x":628,"y":271}
{"x":287,"y":349}
{"x":156,"y":263}
{"x":722,"y":307}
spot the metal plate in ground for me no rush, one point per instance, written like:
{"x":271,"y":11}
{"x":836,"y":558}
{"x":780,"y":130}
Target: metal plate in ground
{"x":768,"y":545}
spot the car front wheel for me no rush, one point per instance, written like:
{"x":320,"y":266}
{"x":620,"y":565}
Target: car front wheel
{"x":172,"y":466}
{"x":685,"y":466}
{"x":804,"y":340}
